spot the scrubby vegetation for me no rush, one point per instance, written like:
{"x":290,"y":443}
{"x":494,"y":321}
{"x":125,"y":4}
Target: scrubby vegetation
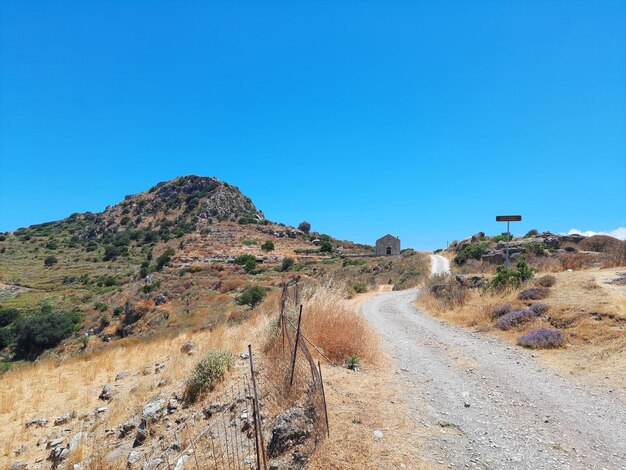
{"x":207,"y":373}
{"x":542,"y":338}
{"x":33,"y":334}
{"x":251,"y":296}
{"x":513,"y":277}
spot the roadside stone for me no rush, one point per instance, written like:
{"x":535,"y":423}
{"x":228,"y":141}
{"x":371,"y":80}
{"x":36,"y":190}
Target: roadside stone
{"x":121,"y":375}
{"x":20,"y":465}
{"x":172,"y":405}
{"x":79,"y":436}
{"x":107,"y":393}
{"x":41,"y":422}
{"x":54,"y":443}
{"x":21,"y":450}
{"x":153,"y":409}
{"x":188,"y":347}
{"x":59,"y":420}
{"x":378,"y":434}
{"x":158,"y":367}
{"x":133,"y":457}
{"x":244,"y":355}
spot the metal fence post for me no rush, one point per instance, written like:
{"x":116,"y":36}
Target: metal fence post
{"x":319,"y":366}
{"x":260,"y":444}
{"x":295,"y":348}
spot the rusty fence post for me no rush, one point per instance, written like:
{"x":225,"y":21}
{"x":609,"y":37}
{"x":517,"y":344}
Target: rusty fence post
{"x":319,"y":366}
{"x":258,"y":427}
{"x":295,"y":347}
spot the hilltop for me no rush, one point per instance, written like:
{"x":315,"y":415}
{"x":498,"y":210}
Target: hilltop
{"x":177,"y":256}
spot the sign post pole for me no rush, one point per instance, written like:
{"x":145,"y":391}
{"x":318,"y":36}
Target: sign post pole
{"x":508,"y":219}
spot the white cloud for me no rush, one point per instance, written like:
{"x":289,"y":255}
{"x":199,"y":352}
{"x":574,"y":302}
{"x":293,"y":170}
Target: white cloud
{"x":619,"y":232}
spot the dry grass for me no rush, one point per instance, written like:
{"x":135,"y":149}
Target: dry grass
{"x":362,"y":402}
{"x":51,"y":388}
{"x":335,"y":328}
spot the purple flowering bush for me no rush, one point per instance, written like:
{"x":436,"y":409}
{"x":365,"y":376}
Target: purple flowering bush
{"x":500,"y":310}
{"x":515,"y":318}
{"x":539,"y":308}
{"x":542,"y":338}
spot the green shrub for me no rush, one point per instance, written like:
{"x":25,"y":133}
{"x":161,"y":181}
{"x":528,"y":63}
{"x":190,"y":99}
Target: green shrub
{"x":353,"y":362}
{"x":536,"y":248}
{"x":164,"y":259}
{"x":268,"y":246}
{"x":305,"y":226}
{"x":513,"y":277}
{"x":35,"y":333}
{"x":438,"y":250}
{"x":101,"y":307}
{"x":3,"y":237}
{"x":251,"y":296}
{"x":52,"y":245}
{"x":474,"y":251}
{"x":531,"y":233}
{"x":247,"y":261}
{"x":249,"y":242}
{"x":326,"y":246}
{"x":502,"y":237}
{"x":353,"y":262}
{"x":8,"y":316}
{"x":360,"y":288}
{"x":5,"y":337}
{"x":50,"y":261}
{"x":207,"y":373}
{"x":287,"y":264}
{"x":91,"y":246}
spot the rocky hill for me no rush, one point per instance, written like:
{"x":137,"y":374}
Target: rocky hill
{"x":177,"y":257}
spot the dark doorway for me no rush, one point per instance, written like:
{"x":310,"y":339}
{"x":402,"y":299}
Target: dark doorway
{"x":388,"y":250}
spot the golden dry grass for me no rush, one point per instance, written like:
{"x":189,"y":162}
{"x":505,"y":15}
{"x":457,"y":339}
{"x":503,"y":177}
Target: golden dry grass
{"x":51,"y":388}
{"x":334,"y":327}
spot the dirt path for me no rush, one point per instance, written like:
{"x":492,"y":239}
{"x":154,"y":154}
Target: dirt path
{"x":494,"y":405}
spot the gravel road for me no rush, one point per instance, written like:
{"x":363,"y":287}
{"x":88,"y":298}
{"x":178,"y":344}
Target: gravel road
{"x":493,"y":405}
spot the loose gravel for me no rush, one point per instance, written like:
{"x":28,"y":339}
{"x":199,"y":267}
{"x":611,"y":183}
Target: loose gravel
{"x":494,"y":405}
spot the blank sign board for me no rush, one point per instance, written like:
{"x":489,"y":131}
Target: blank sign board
{"x":508,"y":218}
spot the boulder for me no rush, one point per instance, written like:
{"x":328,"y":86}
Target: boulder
{"x":20,"y":465}
{"x":59,"y":420}
{"x":79,"y":436}
{"x":121,"y":375}
{"x":188,"y":347}
{"x":133,"y":457}
{"x":153,"y":410}
{"x":107,"y":392}
{"x":160,"y":299}
{"x":291,"y":428}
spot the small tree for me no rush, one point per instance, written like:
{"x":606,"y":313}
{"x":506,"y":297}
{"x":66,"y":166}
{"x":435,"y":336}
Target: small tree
{"x":164,"y":259}
{"x":305,"y":226}
{"x":268,"y":246}
{"x":326,"y":247}
{"x":251,"y":296}
{"x":287,"y":263}
{"x":50,"y":261}
{"x":247,"y":261}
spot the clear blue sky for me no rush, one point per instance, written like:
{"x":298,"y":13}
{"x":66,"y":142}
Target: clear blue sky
{"x":423,"y":119}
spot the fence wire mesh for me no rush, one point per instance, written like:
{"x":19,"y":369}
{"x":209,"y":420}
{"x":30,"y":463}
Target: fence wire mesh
{"x":234,"y":430}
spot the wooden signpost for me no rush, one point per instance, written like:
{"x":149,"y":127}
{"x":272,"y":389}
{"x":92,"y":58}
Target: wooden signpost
{"x":508,"y":219}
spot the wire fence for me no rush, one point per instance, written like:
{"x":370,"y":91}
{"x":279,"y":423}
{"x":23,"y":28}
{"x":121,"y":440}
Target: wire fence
{"x":234,"y":430}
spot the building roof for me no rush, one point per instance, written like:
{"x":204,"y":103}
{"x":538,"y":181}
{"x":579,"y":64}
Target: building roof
{"x":388,"y":235}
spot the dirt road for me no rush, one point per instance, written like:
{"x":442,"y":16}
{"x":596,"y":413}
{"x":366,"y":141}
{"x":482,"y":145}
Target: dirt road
{"x":494,"y":405}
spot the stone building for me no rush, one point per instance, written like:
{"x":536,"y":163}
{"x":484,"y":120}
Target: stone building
{"x":387,"y":246}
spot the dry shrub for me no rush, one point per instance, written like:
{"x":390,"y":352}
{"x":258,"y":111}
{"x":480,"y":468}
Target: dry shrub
{"x":445,"y":291}
{"x":576,"y":261}
{"x":334,"y":327}
{"x":546,"y":281}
